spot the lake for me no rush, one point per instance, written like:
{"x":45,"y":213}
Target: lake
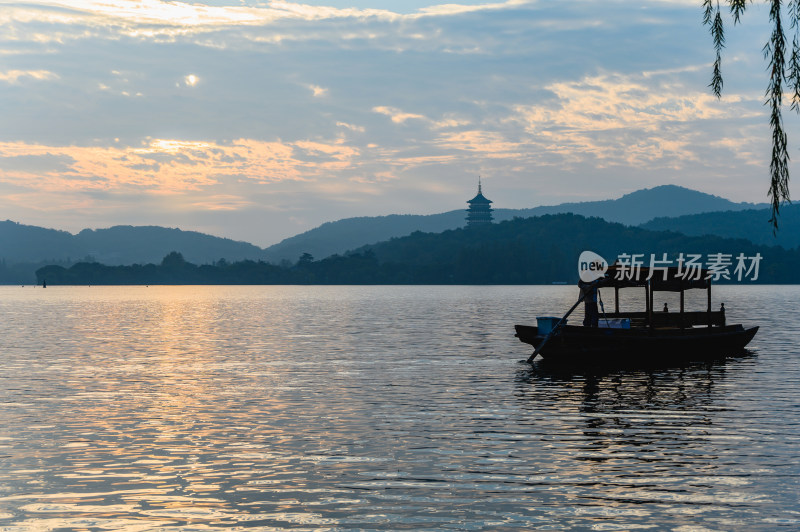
{"x":379,"y":408}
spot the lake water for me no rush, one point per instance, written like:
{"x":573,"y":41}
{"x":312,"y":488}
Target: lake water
{"x":379,"y":408}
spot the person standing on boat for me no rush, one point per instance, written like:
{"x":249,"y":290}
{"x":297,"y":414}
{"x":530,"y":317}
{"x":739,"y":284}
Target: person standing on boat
{"x":591,"y":316}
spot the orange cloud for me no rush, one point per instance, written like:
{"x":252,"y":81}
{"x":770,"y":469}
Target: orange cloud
{"x":621,"y":119}
{"x":168,"y":166}
{"x":486,"y":143}
{"x":397,"y":116}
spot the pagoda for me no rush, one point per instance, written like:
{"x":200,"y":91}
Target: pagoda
{"x":480,"y":209}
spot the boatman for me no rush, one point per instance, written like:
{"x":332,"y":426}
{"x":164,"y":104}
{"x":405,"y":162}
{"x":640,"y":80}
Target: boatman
{"x":590,"y":314}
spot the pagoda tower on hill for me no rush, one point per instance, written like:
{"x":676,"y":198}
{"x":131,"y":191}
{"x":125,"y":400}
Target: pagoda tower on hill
{"x":480,"y":209}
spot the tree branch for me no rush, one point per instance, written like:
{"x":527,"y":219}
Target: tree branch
{"x":780,"y":71}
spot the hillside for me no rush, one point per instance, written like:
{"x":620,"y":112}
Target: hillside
{"x":28,"y":243}
{"x":545,"y":249}
{"x":537,"y":250}
{"x":25,"y":247}
{"x":643,"y":205}
{"x":125,"y":244}
{"x":752,"y":224}
{"x":351,"y":233}
{"x":630,"y":209}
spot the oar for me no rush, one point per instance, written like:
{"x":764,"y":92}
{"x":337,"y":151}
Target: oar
{"x":556,"y":326}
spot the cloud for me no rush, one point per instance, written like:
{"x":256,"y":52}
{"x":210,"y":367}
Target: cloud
{"x":16,"y":76}
{"x":317,"y":91}
{"x":621,"y":120}
{"x":398,"y":116}
{"x":449,"y":122}
{"x":194,"y":14}
{"x":485,"y":143}
{"x":319,"y":112}
{"x":334,"y":152}
{"x":223,"y":27}
{"x":168,"y":166}
{"x":38,"y":163}
{"x":351,"y":127}
{"x":458,"y":9}
{"x":222,"y":202}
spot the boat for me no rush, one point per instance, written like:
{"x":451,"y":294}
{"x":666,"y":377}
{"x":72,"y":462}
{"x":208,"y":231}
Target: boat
{"x":641,"y":336}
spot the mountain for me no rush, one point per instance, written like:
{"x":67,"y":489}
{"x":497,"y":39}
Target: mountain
{"x":116,"y":245}
{"x":24,"y":248}
{"x":752,"y":224}
{"x":545,"y":249}
{"x":350,"y":233}
{"x":537,"y":250}
{"x":28,"y":243}
{"x":631,"y":209}
{"x":125,"y":244}
{"x":643,"y":205}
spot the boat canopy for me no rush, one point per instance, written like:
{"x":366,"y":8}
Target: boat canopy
{"x":659,"y":279}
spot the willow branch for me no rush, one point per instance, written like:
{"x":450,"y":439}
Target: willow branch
{"x":779,"y":163}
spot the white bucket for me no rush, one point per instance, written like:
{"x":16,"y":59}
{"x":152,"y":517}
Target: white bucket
{"x":614,"y":323}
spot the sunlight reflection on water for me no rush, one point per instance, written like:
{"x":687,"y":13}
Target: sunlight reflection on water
{"x":134,"y":408}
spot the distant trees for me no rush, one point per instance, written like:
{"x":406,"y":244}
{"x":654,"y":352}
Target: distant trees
{"x":173,"y":261}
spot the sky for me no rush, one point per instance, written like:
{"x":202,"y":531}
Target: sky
{"x":260,"y":120}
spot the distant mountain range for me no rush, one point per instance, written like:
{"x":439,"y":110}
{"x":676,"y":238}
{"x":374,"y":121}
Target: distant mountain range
{"x":535,"y":250}
{"x":122,"y":244}
{"x":631,"y":209}
{"x":751,"y":224}
{"x":24,"y":248}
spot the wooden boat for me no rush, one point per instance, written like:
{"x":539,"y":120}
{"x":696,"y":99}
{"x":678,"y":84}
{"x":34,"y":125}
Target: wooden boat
{"x":649,"y":336}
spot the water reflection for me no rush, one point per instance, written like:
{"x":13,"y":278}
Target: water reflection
{"x":655,"y":436}
{"x":390,"y":408}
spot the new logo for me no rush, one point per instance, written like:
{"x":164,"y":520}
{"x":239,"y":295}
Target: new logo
{"x":591,"y":266}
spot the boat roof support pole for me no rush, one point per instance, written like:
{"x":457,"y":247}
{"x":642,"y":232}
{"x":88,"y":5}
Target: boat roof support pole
{"x":709,"y":303}
{"x":683,"y":323}
{"x":649,"y":298}
{"x":616,"y":300}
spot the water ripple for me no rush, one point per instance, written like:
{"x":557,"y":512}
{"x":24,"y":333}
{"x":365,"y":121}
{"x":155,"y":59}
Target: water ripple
{"x":377,"y":408}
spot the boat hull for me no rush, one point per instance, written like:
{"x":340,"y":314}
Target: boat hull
{"x":573,"y":343}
